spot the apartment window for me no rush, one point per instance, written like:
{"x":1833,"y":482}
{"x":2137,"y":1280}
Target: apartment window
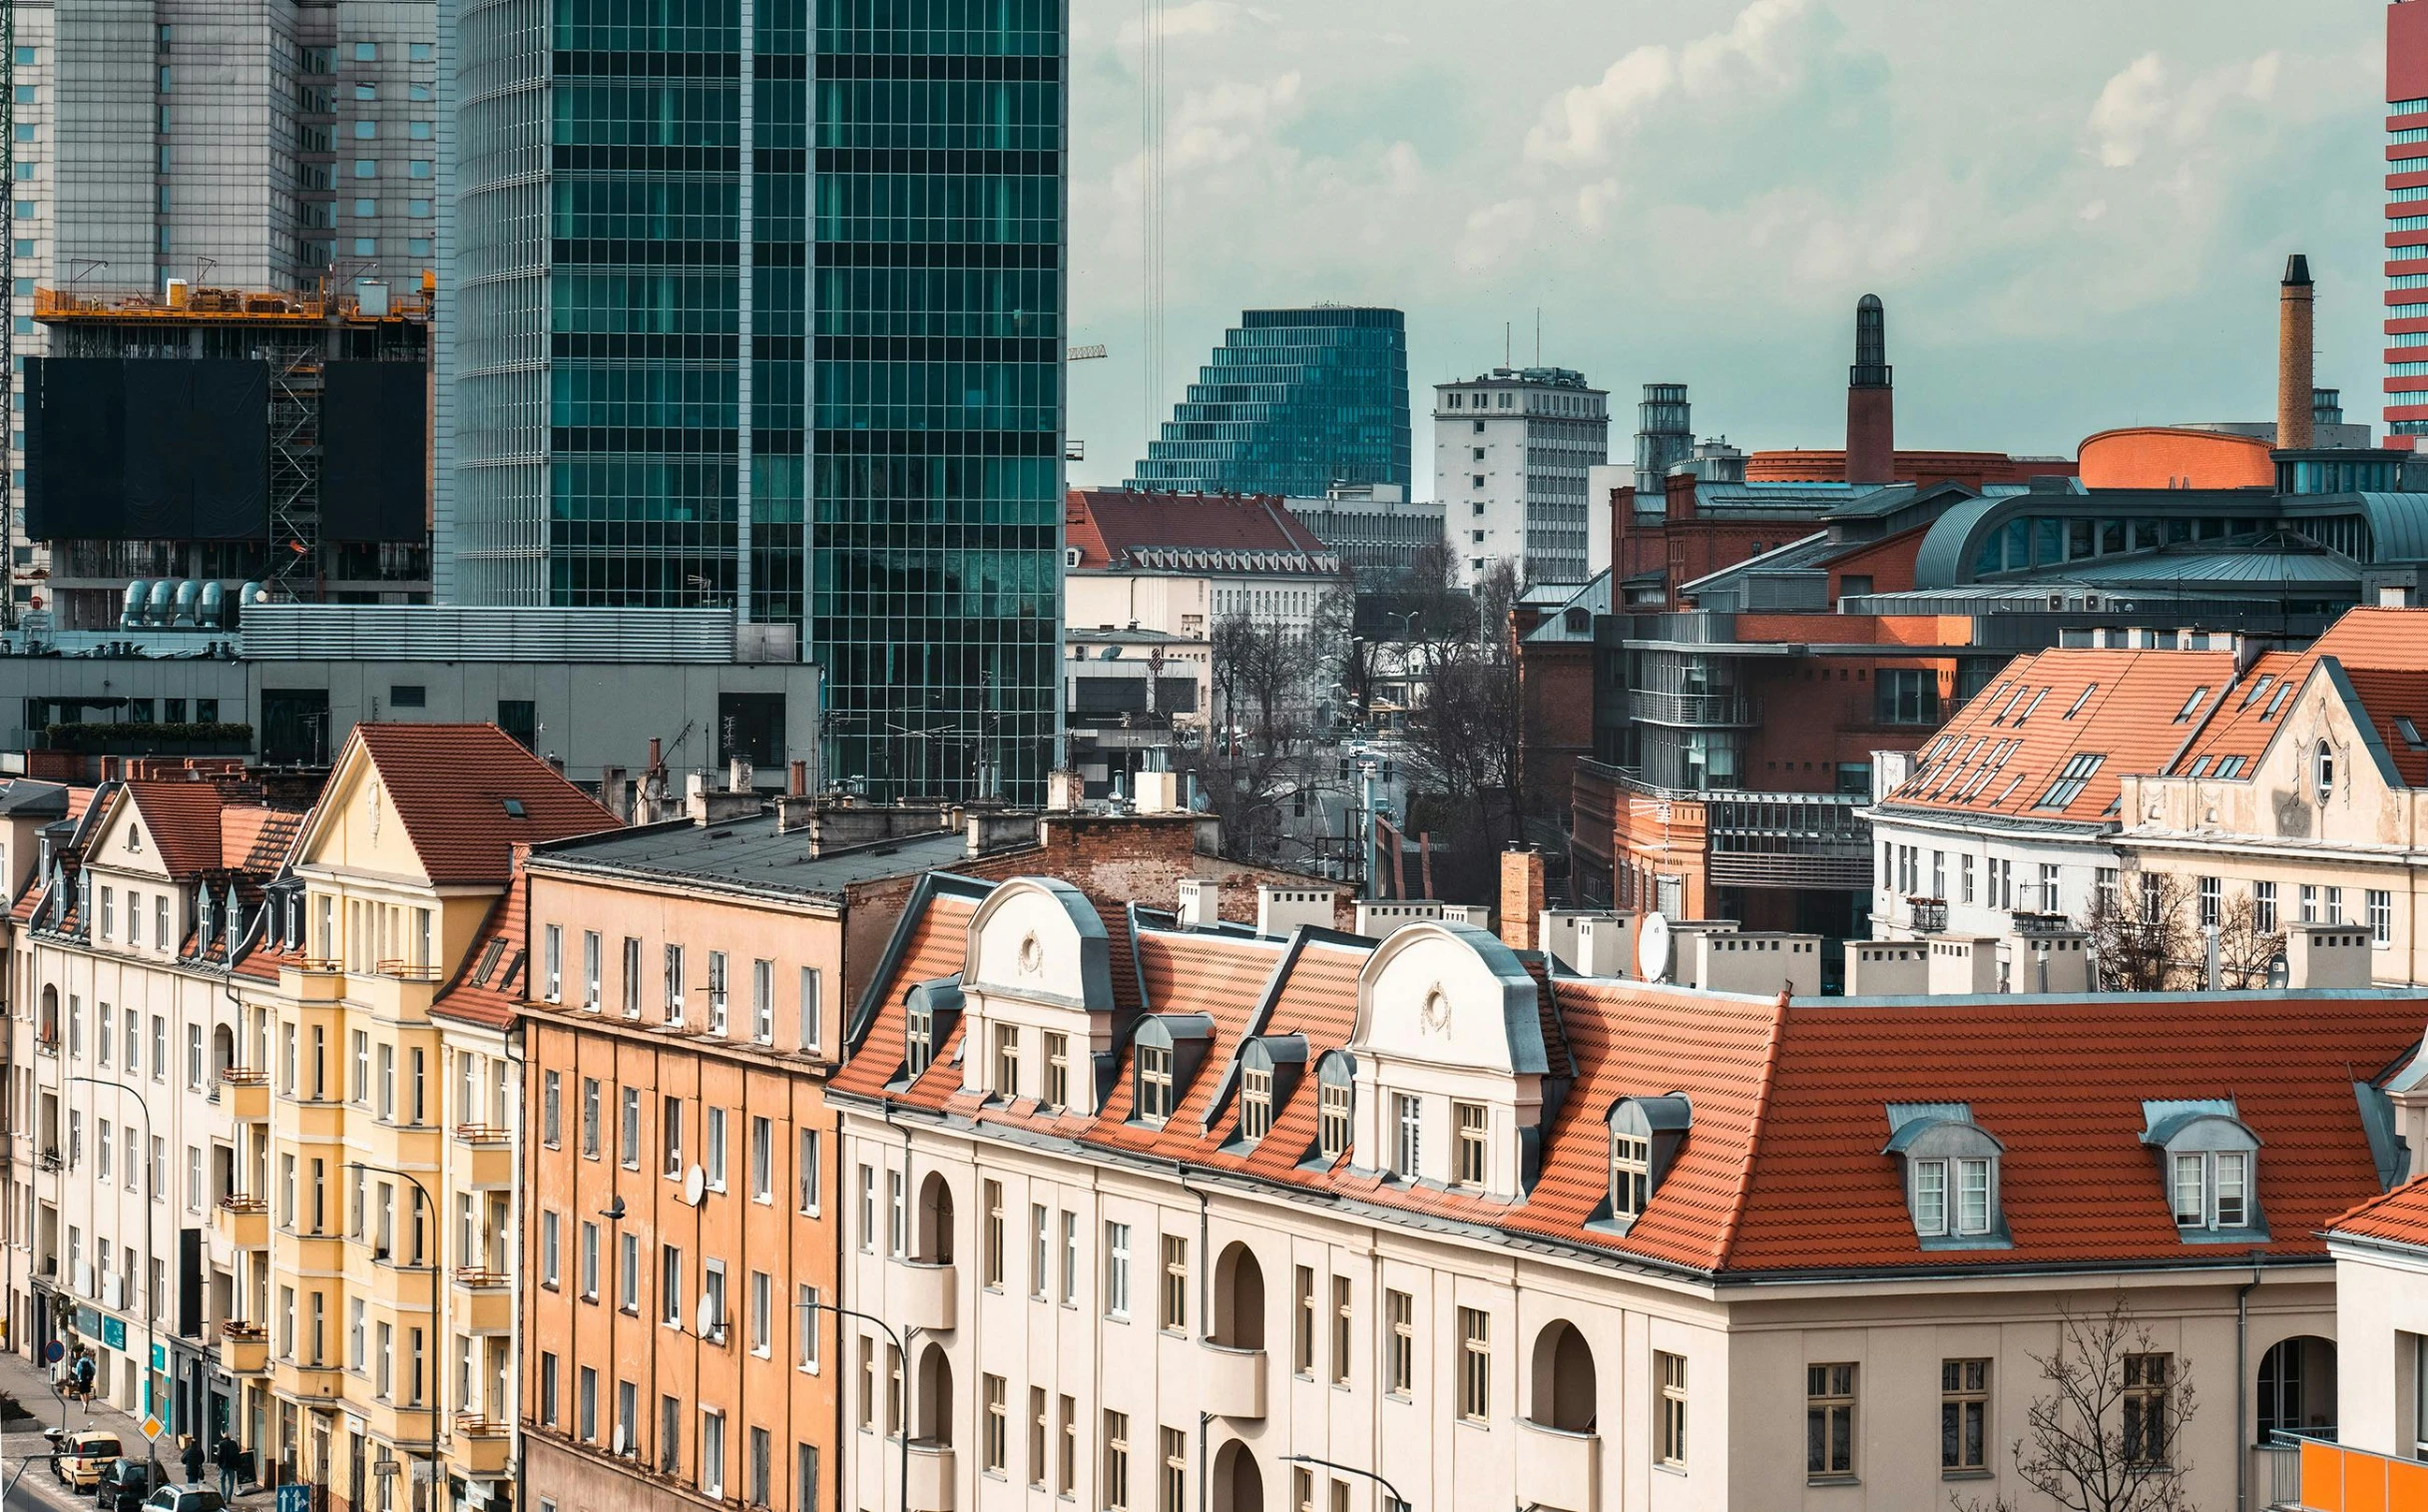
{"x":1407,"y":1118}
{"x":762,"y":1160}
{"x":1631,"y":1174}
{"x":920,"y":1035}
{"x":590,"y":1117}
{"x":1117,"y":1461}
{"x":1007,"y":1061}
{"x":1069,"y":1260}
{"x":590,"y":968}
{"x":1474,"y":1121}
{"x":717,"y":993}
{"x":2263,"y":906}
{"x":670,"y":1130}
{"x":1066,"y":1469}
{"x":1475,"y":1364}
{"x":1302,"y":1321}
{"x":2309,"y":904}
{"x":552,"y":1109}
{"x":588,"y":1260}
{"x":991,"y":1245}
{"x":898,"y":1216}
{"x":669,"y":1285}
{"x":711,"y":1452}
{"x":1964,"y":878}
{"x":586,"y":1406}
{"x":1153,"y":1082}
{"x":628,"y":1272}
{"x":804,"y":1478}
{"x":673,"y":984}
{"x":2381,"y":916}
{"x":552,"y":958}
{"x":712,"y":1298}
{"x":2149,"y":1384}
{"x":627,"y":1130}
{"x":1037,"y":1437}
{"x":868,"y":1384}
{"x":1669,"y":1416}
{"x":762,"y":1314}
{"x":763,"y":1002}
{"x":548,"y":1249}
{"x":812,"y":1016}
{"x":1037,"y":1252}
{"x":548,"y":1389}
{"x":2211,"y":1189}
{"x":809,"y":1175}
{"x":1255,"y":1102}
{"x":1332,"y":1119}
{"x":670,"y":1434}
{"x":1175,"y":1444}
{"x":2211,"y":892}
{"x":1117,"y":1271}
{"x":1173,"y":1313}
{"x":1964,"y":1410}
{"x":1341,"y":1321}
{"x":760,"y":1485}
{"x":1057,"y":1095}
{"x":1399,"y":1348}
{"x":1830,"y":1422}
{"x":995,"y":1428}
{"x":632,"y":977}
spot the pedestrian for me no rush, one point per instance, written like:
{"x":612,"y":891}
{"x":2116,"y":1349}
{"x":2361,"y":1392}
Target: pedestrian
{"x":194,"y":1460}
{"x":228,"y":1455}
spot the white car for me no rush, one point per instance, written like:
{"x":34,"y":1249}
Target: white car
{"x":185,"y":1499}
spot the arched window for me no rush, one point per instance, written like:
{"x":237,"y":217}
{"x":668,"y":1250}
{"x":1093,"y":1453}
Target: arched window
{"x":1238,"y":1301}
{"x":2322,"y":770}
{"x":932,"y":1243}
{"x":934,"y":1424}
{"x":1565,"y":1383}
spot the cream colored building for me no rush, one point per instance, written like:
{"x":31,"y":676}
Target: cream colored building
{"x":379,"y":1113}
{"x":1191,"y":1218}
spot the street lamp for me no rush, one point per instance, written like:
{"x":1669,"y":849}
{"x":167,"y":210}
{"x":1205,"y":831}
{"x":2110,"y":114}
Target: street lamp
{"x":1398,"y":1502}
{"x":150,"y":1254}
{"x":430,"y":1350}
{"x":902,"y":1347}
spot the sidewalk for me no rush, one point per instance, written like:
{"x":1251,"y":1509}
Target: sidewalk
{"x":30,"y":1385}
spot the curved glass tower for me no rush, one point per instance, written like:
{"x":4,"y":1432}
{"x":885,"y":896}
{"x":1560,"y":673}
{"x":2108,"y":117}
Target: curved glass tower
{"x":1291,"y":402}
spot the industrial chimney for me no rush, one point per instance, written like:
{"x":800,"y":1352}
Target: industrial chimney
{"x":1871,"y":403}
{"x":2296,"y":410}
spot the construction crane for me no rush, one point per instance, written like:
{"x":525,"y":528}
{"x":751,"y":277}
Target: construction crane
{"x":1073,"y":449}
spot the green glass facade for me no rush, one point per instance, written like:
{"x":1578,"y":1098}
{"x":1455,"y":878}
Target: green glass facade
{"x":759,"y":302}
{"x":1291,"y":402}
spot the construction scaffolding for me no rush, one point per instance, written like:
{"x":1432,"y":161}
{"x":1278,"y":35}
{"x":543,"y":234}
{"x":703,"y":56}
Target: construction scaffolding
{"x":295,"y":335}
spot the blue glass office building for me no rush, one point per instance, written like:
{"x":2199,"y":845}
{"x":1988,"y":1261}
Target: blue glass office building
{"x":759,"y":302}
{"x":1292,"y":401}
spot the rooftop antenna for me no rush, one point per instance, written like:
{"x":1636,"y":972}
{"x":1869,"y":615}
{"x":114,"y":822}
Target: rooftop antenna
{"x":1504,"y":340}
{"x":1538,"y":335}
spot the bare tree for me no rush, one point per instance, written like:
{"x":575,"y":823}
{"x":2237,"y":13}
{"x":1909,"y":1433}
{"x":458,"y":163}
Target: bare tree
{"x":2106,"y":1433}
{"x":2141,"y":929}
{"x":2246,"y":953}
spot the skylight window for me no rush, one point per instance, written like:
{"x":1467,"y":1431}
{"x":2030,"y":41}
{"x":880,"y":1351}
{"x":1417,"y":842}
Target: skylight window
{"x":2191,"y":706}
{"x":2080,"y":699}
{"x":2199,"y":768}
{"x":2070,"y":780}
{"x":2411,"y":732}
{"x":2232,"y":767}
{"x":2007,"y":791}
{"x":2032,"y":707}
{"x":513,"y":807}
{"x":2008,"y":708}
{"x":2258,"y":689}
{"x":2283,"y":691}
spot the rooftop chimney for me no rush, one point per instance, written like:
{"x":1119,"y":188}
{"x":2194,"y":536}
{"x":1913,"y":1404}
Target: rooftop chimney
{"x":1871,"y":410}
{"x":2296,"y":402}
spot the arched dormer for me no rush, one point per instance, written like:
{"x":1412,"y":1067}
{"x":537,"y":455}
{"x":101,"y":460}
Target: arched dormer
{"x":1951,"y":1167}
{"x":1450,"y":1062}
{"x":1036,"y":989}
{"x":1646,"y":1134}
{"x":1335,"y":1107}
{"x":1165,"y":1056}
{"x":2209,"y":1166}
{"x":1270,"y":1067}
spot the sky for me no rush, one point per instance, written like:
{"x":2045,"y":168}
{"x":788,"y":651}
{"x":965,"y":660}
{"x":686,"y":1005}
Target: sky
{"x":2077,"y":211}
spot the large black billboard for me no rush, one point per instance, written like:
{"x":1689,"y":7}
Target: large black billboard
{"x":374,"y":452}
{"x":147,"y":449}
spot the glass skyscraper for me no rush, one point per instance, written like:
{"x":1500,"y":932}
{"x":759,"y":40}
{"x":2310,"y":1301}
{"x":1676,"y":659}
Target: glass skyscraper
{"x":1291,"y":402}
{"x":759,"y":302}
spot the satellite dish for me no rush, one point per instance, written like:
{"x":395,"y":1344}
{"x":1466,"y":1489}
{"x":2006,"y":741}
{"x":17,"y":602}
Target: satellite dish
{"x":706,"y":1319}
{"x":1652,"y":948}
{"x":618,"y":1440}
{"x":695,"y":1185}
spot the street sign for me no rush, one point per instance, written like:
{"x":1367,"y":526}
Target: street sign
{"x":295,"y":1496}
{"x":383,"y":1468}
{"x":54,"y":1351}
{"x":153,"y":1430}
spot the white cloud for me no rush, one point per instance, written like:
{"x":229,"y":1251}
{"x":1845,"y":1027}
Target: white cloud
{"x":1767,"y":46}
{"x":2144,"y":105}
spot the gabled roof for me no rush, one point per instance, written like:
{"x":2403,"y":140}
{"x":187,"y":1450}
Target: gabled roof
{"x":2007,"y":748}
{"x":1114,"y":528}
{"x":2399,"y":1216}
{"x":2382,"y":655}
{"x":487,"y":989}
{"x":182,"y":820}
{"x":1782,"y":1170}
{"x":451,"y":785}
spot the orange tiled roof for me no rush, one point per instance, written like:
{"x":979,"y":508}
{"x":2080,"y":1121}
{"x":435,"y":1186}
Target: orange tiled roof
{"x":2399,"y":1216}
{"x":2008,"y":746}
{"x":1783,"y":1169}
{"x":450,"y":784}
{"x":494,"y":997}
{"x":183,"y":819}
{"x":1108,"y":525}
{"x":2383,"y":654}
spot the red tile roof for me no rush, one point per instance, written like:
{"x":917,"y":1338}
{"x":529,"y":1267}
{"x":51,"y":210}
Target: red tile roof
{"x":1112,"y":527}
{"x":2383,"y":654}
{"x":1783,"y":1169}
{"x":493,"y":997}
{"x":2399,"y":1216}
{"x":2005,"y":749}
{"x":450,"y":785}
{"x":183,"y":820}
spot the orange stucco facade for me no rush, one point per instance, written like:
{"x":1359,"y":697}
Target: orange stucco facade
{"x":2161,"y":457}
{"x":678,"y":1154}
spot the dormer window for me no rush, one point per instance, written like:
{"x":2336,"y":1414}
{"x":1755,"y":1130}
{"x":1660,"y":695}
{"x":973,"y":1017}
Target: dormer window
{"x":1335,"y":1093}
{"x":1951,"y":1175}
{"x":929,"y":1013}
{"x":1474,"y":1143}
{"x":2210,"y":1161}
{"x":1256,"y":1104}
{"x":921,"y":1049}
{"x":1153,"y":1082}
{"x":1408,"y":1128}
{"x":1646,"y":1134}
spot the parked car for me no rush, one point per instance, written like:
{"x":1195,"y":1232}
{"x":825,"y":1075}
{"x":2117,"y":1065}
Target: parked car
{"x":83,"y":1456}
{"x":123,"y":1486}
{"x":185,"y":1499}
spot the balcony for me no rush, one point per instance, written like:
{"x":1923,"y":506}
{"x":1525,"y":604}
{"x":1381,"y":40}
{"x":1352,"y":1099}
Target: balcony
{"x":245,"y":1348}
{"x":2334,"y":1478}
{"x":1559,"y":1469}
{"x":1788,"y":840}
{"x":325,"y":1383}
{"x":247,"y":1094}
{"x":49,"y":1159}
{"x":486,"y":1163}
{"x":931,"y":1476}
{"x":312,"y":981}
{"x":47,"y":1044}
{"x":1234,"y":1380}
{"x":1927,"y":915}
{"x":925,"y":1292}
{"x":244,"y":1221}
{"x":483,"y":1446}
{"x":314,"y":1120}
{"x":1703,"y":711}
{"x":396,"y":990}
{"x":483,"y":1300}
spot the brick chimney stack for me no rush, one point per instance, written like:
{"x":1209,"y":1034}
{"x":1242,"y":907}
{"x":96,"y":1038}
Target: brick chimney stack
{"x":1521,"y":890}
{"x":1871,"y":399}
{"x":2296,"y":410}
